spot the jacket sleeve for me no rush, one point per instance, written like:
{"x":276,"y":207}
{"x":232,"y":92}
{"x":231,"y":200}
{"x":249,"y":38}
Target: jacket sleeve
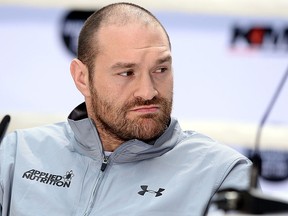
{"x":238,"y":176}
{"x":7,"y":158}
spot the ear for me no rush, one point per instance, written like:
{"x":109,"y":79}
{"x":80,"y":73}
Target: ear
{"x":80,"y":76}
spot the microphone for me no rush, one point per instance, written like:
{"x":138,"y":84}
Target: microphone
{"x":3,"y":126}
{"x":252,"y":200}
{"x":256,"y":158}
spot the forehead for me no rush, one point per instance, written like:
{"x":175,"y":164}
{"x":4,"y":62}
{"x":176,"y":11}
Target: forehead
{"x":134,"y":35}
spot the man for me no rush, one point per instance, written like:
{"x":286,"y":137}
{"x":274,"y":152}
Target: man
{"x":120,"y":152}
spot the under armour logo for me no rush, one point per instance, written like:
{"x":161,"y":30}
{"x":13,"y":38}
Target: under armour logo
{"x":144,"y":190}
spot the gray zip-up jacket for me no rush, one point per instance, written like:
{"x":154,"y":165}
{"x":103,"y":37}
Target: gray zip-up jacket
{"x":61,"y":170}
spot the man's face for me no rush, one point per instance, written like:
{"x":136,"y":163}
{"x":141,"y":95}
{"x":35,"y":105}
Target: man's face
{"x":132,"y":88}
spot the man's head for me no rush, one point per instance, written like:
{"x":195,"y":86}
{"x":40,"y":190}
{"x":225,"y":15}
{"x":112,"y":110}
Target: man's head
{"x":124,"y":71}
{"x":120,"y":14}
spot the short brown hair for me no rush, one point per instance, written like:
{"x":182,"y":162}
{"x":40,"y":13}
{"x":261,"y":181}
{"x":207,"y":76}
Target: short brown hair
{"x":117,"y":13}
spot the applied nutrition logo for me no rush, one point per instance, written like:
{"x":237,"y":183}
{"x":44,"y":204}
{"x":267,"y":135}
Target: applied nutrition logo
{"x":48,"y":178}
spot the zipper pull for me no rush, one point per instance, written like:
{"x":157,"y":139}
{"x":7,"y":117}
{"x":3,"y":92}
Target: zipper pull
{"x":104,"y":164}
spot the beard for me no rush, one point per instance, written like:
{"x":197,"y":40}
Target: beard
{"x":113,"y":119}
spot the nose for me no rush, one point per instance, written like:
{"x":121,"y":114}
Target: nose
{"x":145,"y":88}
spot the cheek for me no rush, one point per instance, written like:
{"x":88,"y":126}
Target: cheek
{"x":120,"y":90}
{"x":103,"y":87}
{"x":165,"y":87}
{"x":111,"y":94}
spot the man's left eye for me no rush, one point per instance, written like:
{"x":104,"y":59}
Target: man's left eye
{"x":161,"y":70}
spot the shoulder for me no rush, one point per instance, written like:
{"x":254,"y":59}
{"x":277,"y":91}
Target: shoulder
{"x":209,"y":150}
{"x":37,"y":136}
{"x":35,"y":145}
{"x":224,"y":163}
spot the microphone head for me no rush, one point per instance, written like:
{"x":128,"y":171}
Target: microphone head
{"x":4,"y":125}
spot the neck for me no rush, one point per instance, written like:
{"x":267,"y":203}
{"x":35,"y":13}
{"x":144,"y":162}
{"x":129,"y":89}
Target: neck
{"x":109,"y":142}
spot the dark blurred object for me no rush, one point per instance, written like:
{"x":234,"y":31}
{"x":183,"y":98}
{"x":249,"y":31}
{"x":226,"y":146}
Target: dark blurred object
{"x":250,"y":201}
{"x":3,"y":126}
{"x":72,"y":24}
{"x":274,"y":165}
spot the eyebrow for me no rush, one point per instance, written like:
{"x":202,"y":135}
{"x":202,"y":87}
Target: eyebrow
{"x":163,"y":60}
{"x":120,"y":65}
{"x":123,"y":65}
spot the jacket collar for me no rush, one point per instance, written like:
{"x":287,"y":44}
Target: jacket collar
{"x":88,"y":142}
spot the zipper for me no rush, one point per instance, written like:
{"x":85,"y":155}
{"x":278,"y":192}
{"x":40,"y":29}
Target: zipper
{"x":104,"y":163}
{"x":99,"y":179}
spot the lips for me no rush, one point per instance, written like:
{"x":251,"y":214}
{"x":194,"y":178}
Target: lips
{"x":146,"y":109}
